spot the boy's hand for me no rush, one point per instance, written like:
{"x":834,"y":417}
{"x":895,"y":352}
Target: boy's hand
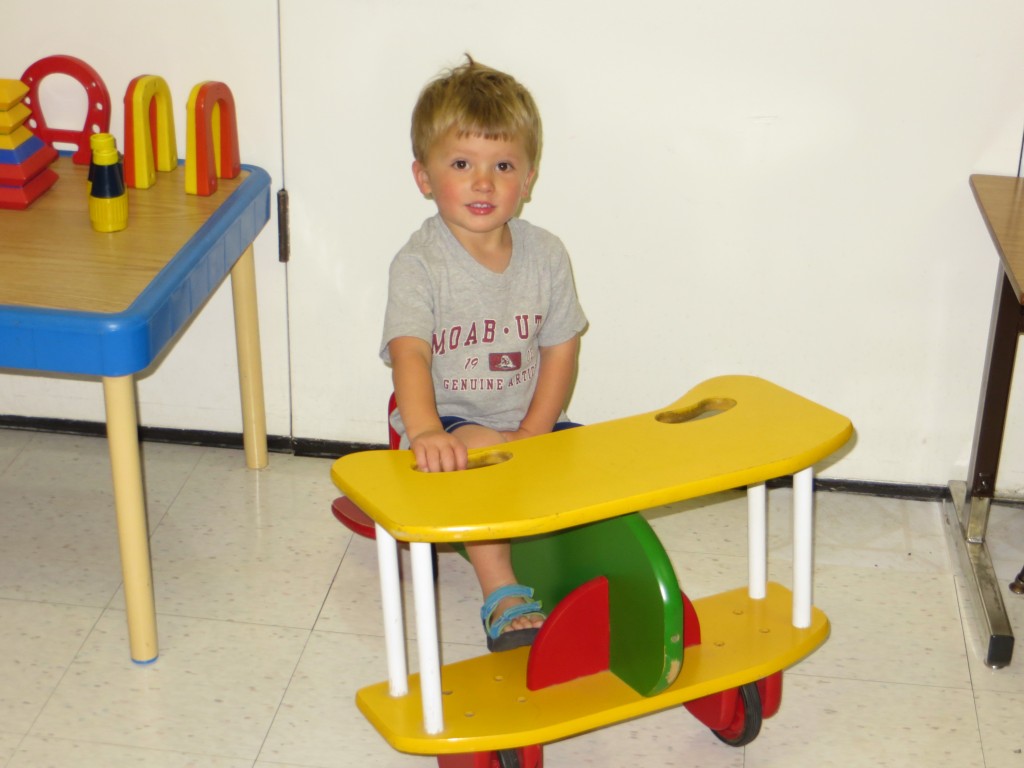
{"x":438,"y":451}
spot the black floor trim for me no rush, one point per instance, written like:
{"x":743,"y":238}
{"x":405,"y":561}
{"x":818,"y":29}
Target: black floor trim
{"x":327,"y":449}
{"x":332,"y":449}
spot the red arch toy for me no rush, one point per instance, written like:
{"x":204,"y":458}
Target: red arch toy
{"x":97,"y":116}
{"x":210,"y":103}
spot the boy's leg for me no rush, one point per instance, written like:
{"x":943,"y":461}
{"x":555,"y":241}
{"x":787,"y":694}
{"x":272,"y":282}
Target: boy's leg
{"x":492,"y":560}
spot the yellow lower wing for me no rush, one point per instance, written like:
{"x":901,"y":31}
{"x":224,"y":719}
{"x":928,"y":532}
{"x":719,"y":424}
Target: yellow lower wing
{"x":488,"y":707}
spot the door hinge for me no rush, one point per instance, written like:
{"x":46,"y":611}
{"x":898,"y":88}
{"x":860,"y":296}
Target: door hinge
{"x":284,"y":235}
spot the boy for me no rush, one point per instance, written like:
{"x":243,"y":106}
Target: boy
{"x":482,"y":322}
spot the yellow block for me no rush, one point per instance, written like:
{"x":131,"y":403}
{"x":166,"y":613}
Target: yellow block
{"x":13,"y":118}
{"x":750,"y":431}
{"x":11,"y":92}
{"x":15,"y":138}
{"x":487,"y":705}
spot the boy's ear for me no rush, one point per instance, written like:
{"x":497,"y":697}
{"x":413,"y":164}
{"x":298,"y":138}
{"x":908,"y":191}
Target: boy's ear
{"x":419,"y":173}
{"x":528,"y":184}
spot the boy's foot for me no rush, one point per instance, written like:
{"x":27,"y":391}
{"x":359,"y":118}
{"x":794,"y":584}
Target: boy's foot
{"x":517,"y":623}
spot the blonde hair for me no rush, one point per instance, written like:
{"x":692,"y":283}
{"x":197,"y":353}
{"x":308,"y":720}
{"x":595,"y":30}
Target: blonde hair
{"x":475,"y":100}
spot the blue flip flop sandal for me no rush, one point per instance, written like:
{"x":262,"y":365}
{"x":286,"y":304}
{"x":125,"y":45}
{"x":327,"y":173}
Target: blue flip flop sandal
{"x":497,"y":640}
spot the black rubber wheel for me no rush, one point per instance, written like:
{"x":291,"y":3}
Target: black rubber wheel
{"x":508,"y":758}
{"x":746,"y":721}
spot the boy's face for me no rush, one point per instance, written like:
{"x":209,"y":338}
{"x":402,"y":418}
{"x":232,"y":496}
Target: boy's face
{"x":476,"y":183}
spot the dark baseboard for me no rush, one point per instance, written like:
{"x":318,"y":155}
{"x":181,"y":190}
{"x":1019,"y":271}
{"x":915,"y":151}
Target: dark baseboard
{"x":910,"y":491}
{"x":326,"y":449}
{"x":332,"y":449}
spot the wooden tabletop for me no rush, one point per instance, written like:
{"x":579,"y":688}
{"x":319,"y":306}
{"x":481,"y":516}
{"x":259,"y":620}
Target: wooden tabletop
{"x":1001,"y":200}
{"x":51,"y":257}
{"x":73,"y":300}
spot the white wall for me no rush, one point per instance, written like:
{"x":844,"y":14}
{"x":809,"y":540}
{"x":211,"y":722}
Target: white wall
{"x":776,"y":188}
{"x":186,"y":42}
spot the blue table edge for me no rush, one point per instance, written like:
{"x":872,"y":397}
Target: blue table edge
{"x":126,"y":342}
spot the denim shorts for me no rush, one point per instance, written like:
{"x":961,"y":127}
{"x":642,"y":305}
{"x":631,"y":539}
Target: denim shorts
{"x":451,"y":423}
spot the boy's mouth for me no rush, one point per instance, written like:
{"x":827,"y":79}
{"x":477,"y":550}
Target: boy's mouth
{"x":481,"y":207}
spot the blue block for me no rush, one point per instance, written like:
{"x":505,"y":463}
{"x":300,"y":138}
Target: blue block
{"x":22,"y":152}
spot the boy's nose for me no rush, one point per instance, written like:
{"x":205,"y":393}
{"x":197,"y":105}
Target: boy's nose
{"x":483,"y":181}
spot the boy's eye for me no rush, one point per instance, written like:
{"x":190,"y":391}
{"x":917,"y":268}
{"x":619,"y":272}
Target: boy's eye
{"x":460,"y":165}
{"x":504,"y":166}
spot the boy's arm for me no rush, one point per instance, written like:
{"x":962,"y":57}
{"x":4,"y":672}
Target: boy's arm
{"x":435,"y":449}
{"x":557,"y":369}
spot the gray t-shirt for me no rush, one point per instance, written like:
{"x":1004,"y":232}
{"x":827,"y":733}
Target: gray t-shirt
{"x":485,"y":329}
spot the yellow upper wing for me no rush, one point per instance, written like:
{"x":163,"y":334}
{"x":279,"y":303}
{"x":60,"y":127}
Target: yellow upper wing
{"x":727,"y":432}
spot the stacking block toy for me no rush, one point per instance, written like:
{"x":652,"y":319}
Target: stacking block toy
{"x":13,"y":115}
{"x":149,"y":139}
{"x":211,"y":149}
{"x":108,"y":200}
{"x":24,"y":158}
{"x":97,"y":117}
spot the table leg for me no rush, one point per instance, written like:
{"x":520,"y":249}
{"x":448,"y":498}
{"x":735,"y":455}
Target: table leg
{"x":250,"y":361}
{"x":995,"y":394}
{"x":132,"y":526}
{"x":968,"y":509}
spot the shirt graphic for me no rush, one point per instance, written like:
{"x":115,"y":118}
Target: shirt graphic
{"x":505,"y":361}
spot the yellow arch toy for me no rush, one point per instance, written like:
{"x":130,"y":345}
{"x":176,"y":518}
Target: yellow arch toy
{"x":150,"y":144}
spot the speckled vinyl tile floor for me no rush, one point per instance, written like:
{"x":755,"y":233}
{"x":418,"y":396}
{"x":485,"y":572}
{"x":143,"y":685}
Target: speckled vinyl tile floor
{"x":268,"y":615}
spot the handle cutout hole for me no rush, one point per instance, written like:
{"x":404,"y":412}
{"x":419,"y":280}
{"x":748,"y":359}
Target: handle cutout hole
{"x":705,"y":409}
{"x":488,"y":459}
{"x":481,"y":460}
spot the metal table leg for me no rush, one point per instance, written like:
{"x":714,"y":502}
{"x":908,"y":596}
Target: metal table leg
{"x":967,"y":513}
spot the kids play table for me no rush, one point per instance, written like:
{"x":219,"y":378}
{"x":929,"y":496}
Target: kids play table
{"x":74,"y":301}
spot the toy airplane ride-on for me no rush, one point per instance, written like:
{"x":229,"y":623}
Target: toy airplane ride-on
{"x":622,"y":640}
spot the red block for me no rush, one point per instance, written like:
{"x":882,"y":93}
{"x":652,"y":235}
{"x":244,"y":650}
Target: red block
{"x":21,"y":197}
{"x":18,"y":175}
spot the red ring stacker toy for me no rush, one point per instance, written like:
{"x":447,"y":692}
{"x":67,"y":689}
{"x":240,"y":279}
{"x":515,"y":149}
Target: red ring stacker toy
{"x":622,"y":640}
